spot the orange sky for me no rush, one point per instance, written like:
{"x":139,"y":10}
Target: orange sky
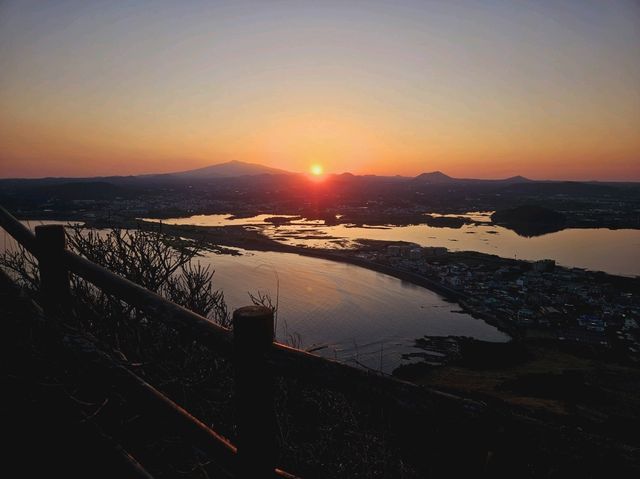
{"x":542,"y":89}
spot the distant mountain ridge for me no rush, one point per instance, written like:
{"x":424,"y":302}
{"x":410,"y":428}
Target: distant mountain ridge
{"x":434,"y":177}
{"x":225,"y":170}
{"x":439,"y":178}
{"x":238,"y":169}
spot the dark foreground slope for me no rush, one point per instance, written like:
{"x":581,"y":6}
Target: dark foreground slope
{"x":47,"y":427}
{"x":64,"y":419}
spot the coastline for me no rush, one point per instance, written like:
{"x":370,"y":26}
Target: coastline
{"x":219,"y":239}
{"x":239,"y":237}
{"x":447,"y":293}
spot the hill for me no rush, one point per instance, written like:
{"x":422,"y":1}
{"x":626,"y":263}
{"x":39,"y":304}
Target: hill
{"x":440,"y":178}
{"x":224,"y":170}
{"x":530,"y":220}
{"x":434,"y":177}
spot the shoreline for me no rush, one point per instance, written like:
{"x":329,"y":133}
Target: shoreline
{"x":217,"y":238}
{"x":450,"y":295}
{"x":255,"y":241}
{"x":239,"y":237}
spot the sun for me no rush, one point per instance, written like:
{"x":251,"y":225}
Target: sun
{"x":316,"y":170}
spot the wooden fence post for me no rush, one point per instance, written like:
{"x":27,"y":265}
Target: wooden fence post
{"x":253,"y":337}
{"x":54,"y":276}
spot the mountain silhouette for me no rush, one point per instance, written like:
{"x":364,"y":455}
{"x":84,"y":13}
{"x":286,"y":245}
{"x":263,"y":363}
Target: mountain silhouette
{"x":225,"y":170}
{"x":439,"y":178}
{"x":434,"y":177}
{"x":516,"y":179}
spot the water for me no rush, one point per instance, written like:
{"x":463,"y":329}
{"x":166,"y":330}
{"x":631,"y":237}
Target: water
{"x":598,"y":249}
{"x":341,"y":311}
{"x":351,"y":313}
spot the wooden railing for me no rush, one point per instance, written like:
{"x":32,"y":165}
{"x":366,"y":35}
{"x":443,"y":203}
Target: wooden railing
{"x":257,"y":358}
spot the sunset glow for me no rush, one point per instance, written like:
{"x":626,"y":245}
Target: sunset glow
{"x":441,"y":192}
{"x":475,"y":90}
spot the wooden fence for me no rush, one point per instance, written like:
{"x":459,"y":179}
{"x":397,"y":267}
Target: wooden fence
{"x":256,"y":357}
